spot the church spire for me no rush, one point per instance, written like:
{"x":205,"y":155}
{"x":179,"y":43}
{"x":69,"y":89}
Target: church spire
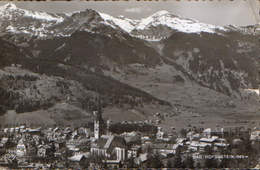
{"x":96,"y":125}
{"x":98,"y":120}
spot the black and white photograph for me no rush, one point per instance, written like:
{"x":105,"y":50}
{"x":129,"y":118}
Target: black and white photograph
{"x":166,"y":84}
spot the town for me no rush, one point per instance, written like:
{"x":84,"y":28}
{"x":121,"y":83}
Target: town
{"x":104,"y":144}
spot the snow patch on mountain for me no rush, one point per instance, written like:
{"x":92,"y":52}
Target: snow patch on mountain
{"x":161,"y":18}
{"x":43,"y":16}
{"x":10,"y":6}
{"x":9,"y":9}
{"x":176,"y":23}
{"x":124,"y":23}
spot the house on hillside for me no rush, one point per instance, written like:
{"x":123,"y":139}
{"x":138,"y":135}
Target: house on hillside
{"x":255,"y":135}
{"x":198,"y":146}
{"x":4,"y":142}
{"x":44,"y":151}
{"x":209,"y":140}
{"x":133,"y":151}
{"x":21,"y":148}
{"x":192,"y":136}
{"x":159,"y":134}
{"x":79,"y":160}
{"x":220,"y":132}
{"x":163,"y":148}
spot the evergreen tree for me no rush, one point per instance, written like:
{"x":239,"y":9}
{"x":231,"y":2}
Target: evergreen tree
{"x":211,"y":163}
{"x":208,"y":150}
{"x":131,"y":163}
{"x":183,"y":132}
{"x":224,"y":163}
{"x":177,"y":160}
{"x":189,"y":162}
{"x":170,"y":163}
{"x":154,"y":161}
{"x":198,"y":165}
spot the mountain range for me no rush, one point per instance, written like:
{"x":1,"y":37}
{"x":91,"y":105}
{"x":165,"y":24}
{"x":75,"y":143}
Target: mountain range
{"x":58,"y":66}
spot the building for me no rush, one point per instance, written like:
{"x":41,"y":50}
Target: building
{"x":193,"y":136}
{"x":132,"y":138}
{"x":113,"y":164}
{"x":159,"y":134}
{"x":79,"y":161}
{"x":99,"y":125}
{"x":134,"y":151}
{"x":109,"y":146}
{"x":112,"y":147}
{"x":209,"y":140}
{"x":220,"y":132}
{"x":141,"y":159}
{"x":4,"y":142}
{"x":21,"y":148}
{"x":255,"y":135}
{"x":163,"y":148}
{"x":43,"y":151}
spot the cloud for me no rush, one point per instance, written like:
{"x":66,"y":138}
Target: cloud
{"x":134,"y":10}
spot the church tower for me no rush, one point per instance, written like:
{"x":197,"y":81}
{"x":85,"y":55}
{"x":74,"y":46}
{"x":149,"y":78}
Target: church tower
{"x":97,"y":122}
{"x":108,"y":127}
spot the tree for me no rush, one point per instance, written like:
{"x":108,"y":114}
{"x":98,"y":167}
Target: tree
{"x":154,"y":161}
{"x":177,"y":160}
{"x":189,"y":162}
{"x":211,"y":163}
{"x":198,"y":165}
{"x":66,"y":155}
{"x":224,"y":163}
{"x":14,"y":164}
{"x":131,"y":163}
{"x":84,"y":163}
{"x":183,"y":132}
{"x":170,"y":163}
{"x":247,"y":147}
{"x":208,"y":150}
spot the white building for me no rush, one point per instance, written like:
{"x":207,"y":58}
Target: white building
{"x":255,"y":135}
{"x":198,"y":146}
{"x":159,"y":134}
{"x":207,"y":132}
{"x":133,"y":151}
{"x":98,"y":124}
{"x":21,"y":148}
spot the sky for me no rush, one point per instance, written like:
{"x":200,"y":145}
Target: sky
{"x":217,"y":12}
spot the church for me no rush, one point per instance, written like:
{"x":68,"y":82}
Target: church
{"x":112,"y":147}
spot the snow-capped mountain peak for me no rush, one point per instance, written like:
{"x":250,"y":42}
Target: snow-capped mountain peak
{"x":8,"y":6}
{"x":124,"y":23}
{"x":160,"y":13}
{"x":162,"y":18}
{"x":10,"y":10}
{"x":41,"y":24}
{"x":176,"y":23}
{"x":21,"y":21}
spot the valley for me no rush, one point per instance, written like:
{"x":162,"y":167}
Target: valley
{"x":58,"y":70}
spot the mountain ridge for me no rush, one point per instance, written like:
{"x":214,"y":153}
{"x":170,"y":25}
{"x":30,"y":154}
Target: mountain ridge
{"x":160,"y":68}
{"x":130,"y":26}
